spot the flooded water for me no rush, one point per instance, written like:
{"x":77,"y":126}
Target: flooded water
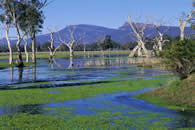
{"x":85,"y":69}
{"x":93,"y":70}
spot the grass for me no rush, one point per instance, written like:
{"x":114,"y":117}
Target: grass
{"x":66,"y":54}
{"x":178,"y":94}
{"x":42,"y":95}
{"x":101,"y":120}
{"x":62,"y":117}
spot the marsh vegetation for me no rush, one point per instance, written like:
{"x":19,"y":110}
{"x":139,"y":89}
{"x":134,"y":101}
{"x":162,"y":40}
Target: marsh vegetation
{"x":97,"y":93}
{"x":76,"y":84}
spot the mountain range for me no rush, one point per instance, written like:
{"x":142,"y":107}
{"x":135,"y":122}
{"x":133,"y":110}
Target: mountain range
{"x":93,"y":33}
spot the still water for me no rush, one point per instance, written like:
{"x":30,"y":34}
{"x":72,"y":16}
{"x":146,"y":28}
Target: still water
{"x":93,"y":70}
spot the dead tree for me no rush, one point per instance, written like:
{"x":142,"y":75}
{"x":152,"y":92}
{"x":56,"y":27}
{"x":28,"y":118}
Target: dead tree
{"x":159,"y":40}
{"x":183,"y":22}
{"x":139,"y":34}
{"x":52,"y":49}
{"x":69,"y":41}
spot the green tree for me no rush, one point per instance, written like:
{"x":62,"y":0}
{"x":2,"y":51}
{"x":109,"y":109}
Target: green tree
{"x":34,"y":20}
{"x":14,"y":12}
{"x":180,"y":58}
{"x":108,"y":43}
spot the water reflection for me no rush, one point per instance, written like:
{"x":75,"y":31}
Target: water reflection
{"x":27,"y":73}
{"x":34,"y":72}
{"x":57,"y":64}
{"x":30,"y":109}
{"x":20,"y":73}
{"x":64,"y":70}
{"x":71,"y":64}
{"x":11,"y":74}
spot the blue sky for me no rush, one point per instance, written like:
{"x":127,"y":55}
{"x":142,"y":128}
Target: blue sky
{"x":112,"y":13}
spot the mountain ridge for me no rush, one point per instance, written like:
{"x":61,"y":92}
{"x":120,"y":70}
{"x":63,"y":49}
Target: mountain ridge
{"x":95,"y":33}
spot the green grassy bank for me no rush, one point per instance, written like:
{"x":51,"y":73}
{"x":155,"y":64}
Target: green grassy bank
{"x":43,"y":95}
{"x":179,"y":94}
{"x":131,"y":119}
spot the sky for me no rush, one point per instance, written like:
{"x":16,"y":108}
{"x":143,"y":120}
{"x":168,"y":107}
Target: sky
{"x":112,"y":13}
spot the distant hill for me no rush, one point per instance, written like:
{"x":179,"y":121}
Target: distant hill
{"x":122,"y":34}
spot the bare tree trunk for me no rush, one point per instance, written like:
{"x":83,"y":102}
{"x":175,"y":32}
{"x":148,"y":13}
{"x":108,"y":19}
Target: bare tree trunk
{"x":9,"y":43}
{"x":139,"y":33}
{"x":50,"y":56}
{"x":139,"y":53}
{"x":182,"y":33}
{"x":25,"y":49}
{"x":10,"y":53}
{"x":33,"y":48}
{"x":19,"y":39}
{"x":19,"y":60}
{"x":145,"y":50}
{"x":52,"y":52}
{"x":71,"y":63}
{"x":70,"y":44}
{"x":183,"y":22}
{"x":160,"y":46}
{"x":132,"y":54}
{"x":51,"y":48}
{"x":71,"y":57}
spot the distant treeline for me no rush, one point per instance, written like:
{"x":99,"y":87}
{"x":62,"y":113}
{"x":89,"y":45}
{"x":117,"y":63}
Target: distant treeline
{"x":107,"y":44}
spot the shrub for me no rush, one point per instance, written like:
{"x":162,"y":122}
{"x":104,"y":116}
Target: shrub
{"x":180,"y":58}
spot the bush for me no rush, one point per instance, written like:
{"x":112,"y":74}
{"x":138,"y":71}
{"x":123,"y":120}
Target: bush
{"x":180,"y":58}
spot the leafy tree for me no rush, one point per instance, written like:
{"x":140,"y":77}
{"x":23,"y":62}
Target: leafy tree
{"x":193,"y":18}
{"x":167,"y":44}
{"x":180,"y":58}
{"x":34,"y":20}
{"x":108,"y":43}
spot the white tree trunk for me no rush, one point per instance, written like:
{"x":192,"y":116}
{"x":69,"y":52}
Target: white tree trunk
{"x":10,"y":54}
{"x":145,"y":50}
{"x":26,"y":51}
{"x":132,"y":54}
{"x":19,"y":60}
{"x":182,"y":33}
{"x":139,"y":33}
{"x":139,"y":53}
{"x":9,"y":44}
{"x":33,"y":49}
{"x":160,"y":46}
{"x":183,"y":22}
{"x":71,"y":57}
